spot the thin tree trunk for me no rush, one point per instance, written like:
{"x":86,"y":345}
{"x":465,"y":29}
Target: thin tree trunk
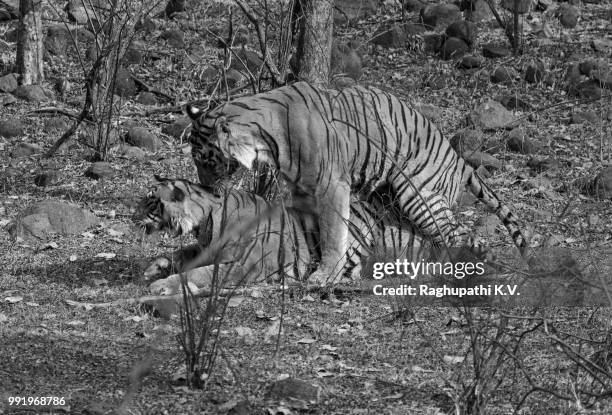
{"x":315,"y":40}
{"x":30,"y":43}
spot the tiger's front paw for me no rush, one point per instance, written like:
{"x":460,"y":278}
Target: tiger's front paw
{"x":322,"y":278}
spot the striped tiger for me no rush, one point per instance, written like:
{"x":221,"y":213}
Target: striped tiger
{"x":183,"y":207}
{"x":330,"y":144}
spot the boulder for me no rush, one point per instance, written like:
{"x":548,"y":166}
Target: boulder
{"x":33,"y":93}
{"x":351,"y":11}
{"x":495,"y":51}
{"x":467,"y":140}
{"x":49,"y":177}
{"x":503,"y":75}
{"x":568,"y":16}
{"x":178,"y":129}
{"x":8,"y":83}
{"x":584,"y":116}
{"x":11,"y":127}
{"x":491,"y":115}
{"x":440,"y":15}
{"x":143,"y":138}
{"x":463,"y":30}
{"x":25,"y":149}
{"x":147,"y":98}
{"x":519,"y":143}
{"x":453,"y":48}
{"x":52,"y":217}
{"x":175,"y":38}
{"x":390,"y":37}
{"x":470,"y":62}
{"x":124,"y":83}
{"x":99,"y":170}
{"x":244,"y":60}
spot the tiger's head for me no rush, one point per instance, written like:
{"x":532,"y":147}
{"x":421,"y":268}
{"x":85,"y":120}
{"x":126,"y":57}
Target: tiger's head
{"x":227,"y":129}
{"x":176,"y":205}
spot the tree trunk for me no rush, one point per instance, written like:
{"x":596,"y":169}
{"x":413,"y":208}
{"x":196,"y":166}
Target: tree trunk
{"x":315,"y":41}
{"x":30,"y":43}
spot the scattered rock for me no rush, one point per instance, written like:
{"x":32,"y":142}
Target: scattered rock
{"x":99,"y":170}
{"x":178,"y":129}
{"x":8,"y":83}
{"x":7,"y":99}
{"x":147,"y":98}
{"x":582,"y":117}
{"x":470,"y":62}
{"x":209,"y":75}
{"x":519,"y":143}
{"x":432,"y":42}
{"x":143,"y":138}
{"x":78,"y":13}
{"x":463,"y":30}
{"x":33,"y":93}
{"x":603,"y":77}
{"x":11,"y":127}
{"x":234,"y":78}
{"x":588,"y":66}
{"x":350,"y":11}
{"x":495,"y":51}
{"x":586,"y":90}
{"x":467,"y":140}
{"x":503,"y":75}
{"x":431,"y":112}
{"x":441,"y":15}
{"x":175,"y":38}
{"x":132,"y":56}
{"x":174,"y":6}
{"x":131,"y":152}
{"x":439,"y":81}
{"x":513,"y":102}
{"x":52,"y":217}
{"x":414,"y":28}
{"x":56,"y":124}
{"x":602,"y":45}
{"x":568,"y":16}
{"x":147,"y":25}
{"x":535,"y":72}
{"x":411,"y":5}
{"x":246,"y":60}
{"x":47,"y":178}
{"x":124,"y":83}
{"x":390,"y":37}
{"x":292,"y":390}
{"x":345,"y":60}
{"x":539,"y":166}
{"x":524,"y":6}
{"x":491,"y":115}
{"x":25,"y":149}
{"x":453,"y":48}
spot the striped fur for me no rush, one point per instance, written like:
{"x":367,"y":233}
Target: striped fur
{"x":328,"y":144}
{"x":182,"y":206}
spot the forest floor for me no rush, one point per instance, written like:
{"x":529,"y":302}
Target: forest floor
{"x":366,"y":358}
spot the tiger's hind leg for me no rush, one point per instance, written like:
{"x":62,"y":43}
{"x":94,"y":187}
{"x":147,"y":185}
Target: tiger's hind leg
{"x":431,"y":214}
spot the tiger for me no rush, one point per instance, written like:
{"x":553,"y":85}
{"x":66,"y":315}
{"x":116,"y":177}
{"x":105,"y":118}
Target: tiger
{"x":329,"y":145}
{"x":184,"y":207}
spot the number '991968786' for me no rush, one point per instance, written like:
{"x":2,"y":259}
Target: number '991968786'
{"x":37,"y":400}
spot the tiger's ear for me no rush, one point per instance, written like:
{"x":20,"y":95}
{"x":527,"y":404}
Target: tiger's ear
{"x":192,"y":112}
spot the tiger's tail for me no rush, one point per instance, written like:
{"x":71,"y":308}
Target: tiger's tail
{"x":484,"y":193}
